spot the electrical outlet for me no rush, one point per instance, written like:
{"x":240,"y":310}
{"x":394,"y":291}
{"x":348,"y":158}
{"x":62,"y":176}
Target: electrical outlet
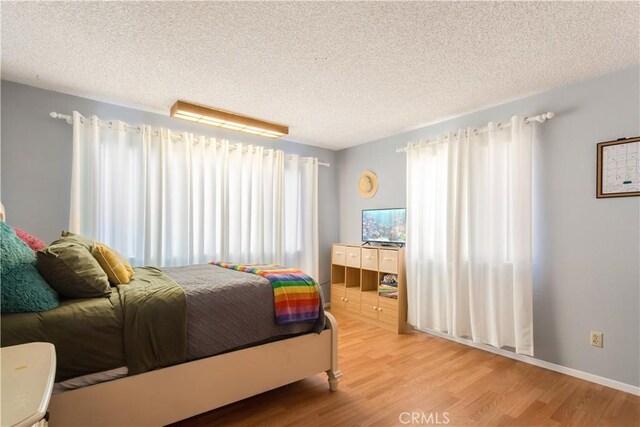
{"x":596,"y":339}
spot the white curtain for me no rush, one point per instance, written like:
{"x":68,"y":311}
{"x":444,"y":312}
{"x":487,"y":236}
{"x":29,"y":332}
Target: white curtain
{"x":469,"y":235}
{"x":163,"y":198}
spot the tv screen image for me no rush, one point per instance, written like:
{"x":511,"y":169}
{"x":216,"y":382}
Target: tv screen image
{"x":384,"y":225}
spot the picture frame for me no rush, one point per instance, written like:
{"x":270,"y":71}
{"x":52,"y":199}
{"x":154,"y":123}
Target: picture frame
{"x":618,"y":168}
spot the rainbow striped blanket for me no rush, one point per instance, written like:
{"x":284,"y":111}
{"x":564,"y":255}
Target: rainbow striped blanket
{"x":296,"y":294}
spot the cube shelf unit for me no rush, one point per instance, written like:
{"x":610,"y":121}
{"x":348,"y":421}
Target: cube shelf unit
{"x":356,"y":272}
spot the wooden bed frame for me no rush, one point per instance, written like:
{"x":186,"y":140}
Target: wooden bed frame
{"x":171,"y":394}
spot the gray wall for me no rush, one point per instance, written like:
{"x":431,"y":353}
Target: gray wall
{"x":586,"y":251}
{"x":36,"y":160}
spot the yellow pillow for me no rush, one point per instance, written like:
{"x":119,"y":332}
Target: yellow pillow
{"x":117,"y":268}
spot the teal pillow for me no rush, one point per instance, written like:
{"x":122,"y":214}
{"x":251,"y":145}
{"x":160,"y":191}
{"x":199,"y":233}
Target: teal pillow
{"x":13,"y":253}
{"x":22,"y":288}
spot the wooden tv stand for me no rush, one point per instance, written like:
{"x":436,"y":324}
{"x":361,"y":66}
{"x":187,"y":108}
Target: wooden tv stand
{"x":356,"y":272}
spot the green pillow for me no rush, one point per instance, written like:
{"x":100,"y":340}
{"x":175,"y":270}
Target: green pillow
{"x":68,"y":236}
{"x":72,"y":271}
{"x":21,"y":286}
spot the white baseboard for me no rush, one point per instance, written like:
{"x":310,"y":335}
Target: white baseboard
{"x":627,"y":388}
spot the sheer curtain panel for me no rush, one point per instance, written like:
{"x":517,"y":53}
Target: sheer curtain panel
{"x":469,"y":235}
{"x":164,"y":198}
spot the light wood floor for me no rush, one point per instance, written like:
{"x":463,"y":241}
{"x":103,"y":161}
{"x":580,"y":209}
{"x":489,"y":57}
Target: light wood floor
{"x":386,"y":375}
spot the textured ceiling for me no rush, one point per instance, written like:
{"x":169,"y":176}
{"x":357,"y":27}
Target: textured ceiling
{"x":339,"y":74}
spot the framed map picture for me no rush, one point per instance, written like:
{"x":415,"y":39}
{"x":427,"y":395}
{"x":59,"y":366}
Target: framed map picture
{"x":618,"y":173}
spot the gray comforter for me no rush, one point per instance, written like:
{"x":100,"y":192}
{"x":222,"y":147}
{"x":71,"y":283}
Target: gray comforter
{"x":228,"y":310}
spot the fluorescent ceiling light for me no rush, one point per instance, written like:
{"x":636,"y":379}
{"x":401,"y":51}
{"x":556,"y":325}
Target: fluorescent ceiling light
{"x":220,"y":118}
{"x":226,"y":126}
{"x":209,"y":122}
{"x":183,"y":117}
{"x":187,"y":113}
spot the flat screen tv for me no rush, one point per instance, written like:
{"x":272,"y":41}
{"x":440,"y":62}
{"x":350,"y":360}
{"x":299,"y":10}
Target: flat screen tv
{"x":385,"y":226}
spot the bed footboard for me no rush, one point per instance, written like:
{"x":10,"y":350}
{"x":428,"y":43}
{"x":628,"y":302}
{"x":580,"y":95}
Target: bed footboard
{"x":171,"y":394}
{"x":333,"y":373}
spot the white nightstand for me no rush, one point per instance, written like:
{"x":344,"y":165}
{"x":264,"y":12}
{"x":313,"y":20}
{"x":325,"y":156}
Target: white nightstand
{"x":28,"y":372}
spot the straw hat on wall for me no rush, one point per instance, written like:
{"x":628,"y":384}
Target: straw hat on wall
{"x":368,"y":184}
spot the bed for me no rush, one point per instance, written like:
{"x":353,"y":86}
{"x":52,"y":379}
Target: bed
{"x":179,"y":341}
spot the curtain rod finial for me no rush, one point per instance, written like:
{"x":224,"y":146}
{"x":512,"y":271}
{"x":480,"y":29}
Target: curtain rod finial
{"x":546,"y":116}
{"x":66,"y":117}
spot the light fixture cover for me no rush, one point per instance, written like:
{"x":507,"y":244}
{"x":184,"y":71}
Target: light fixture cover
{"x":219,"y":118}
